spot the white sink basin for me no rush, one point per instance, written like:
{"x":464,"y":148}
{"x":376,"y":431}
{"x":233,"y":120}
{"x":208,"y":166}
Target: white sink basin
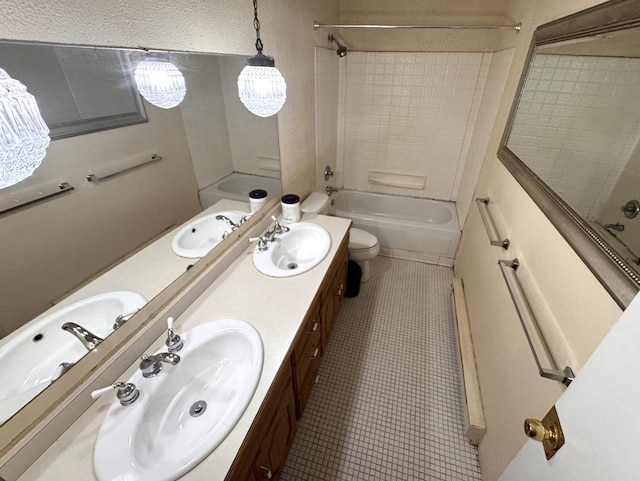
{"x":196,"y":238}
{"x":30,"y":357}
{"x":156,"y":438}
{"x":294,"y":252}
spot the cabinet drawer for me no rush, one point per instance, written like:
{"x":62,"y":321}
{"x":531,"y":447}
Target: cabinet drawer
{"x":306,"y":356}
{"x":304,"y":388}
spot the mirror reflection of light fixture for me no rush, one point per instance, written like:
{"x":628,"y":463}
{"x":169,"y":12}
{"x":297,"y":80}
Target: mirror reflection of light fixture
{"x":261,"y":86}
{"x":24,"y":136}
{"x":159,"y":81}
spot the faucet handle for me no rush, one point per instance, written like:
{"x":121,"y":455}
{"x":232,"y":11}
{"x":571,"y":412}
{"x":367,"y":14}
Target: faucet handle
{"x":262,"y":242}
{"x":61,"y":369}
{"x":277,"y":228}
{"x":127,"y":392}
{"x":174,"y":343}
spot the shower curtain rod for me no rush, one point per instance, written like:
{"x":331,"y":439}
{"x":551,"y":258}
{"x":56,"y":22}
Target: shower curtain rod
{"x":517,"y":27}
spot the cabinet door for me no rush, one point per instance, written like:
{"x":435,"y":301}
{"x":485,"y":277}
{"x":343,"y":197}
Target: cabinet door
{"x":333,"y":293}
{"x":274,"y":447}
{"x":306,"y":356}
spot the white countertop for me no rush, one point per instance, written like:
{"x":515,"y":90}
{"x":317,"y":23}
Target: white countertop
{"x":275,"y":307}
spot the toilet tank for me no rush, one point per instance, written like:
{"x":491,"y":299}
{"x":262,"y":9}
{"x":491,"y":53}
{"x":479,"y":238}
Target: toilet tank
{"x":316,"y":203}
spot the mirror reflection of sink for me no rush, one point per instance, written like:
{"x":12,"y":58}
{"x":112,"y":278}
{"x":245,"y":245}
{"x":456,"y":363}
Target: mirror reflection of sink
{"x":184,"y":412}
{"x":30,"y":357}
{"x":294,"y":252}
{"x":196,"y":238}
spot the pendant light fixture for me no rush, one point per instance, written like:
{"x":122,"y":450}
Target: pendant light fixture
{"x":24,"y":136}
{"x":261,"y":86}
{"x":159,"y":81}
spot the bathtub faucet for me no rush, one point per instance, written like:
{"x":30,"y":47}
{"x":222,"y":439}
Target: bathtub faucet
{"x":330,"y":189}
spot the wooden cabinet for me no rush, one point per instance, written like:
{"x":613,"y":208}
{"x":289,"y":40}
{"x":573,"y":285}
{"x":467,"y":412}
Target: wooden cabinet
{"x":317,"y":326}
{"x":274,"y":445}
{"x":333,"y":293}
{"x":265,"y":449}
{"x":306,"y":355}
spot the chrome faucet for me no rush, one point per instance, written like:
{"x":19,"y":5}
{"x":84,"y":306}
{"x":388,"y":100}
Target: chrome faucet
{"x":62,"y":368}
{"x":229,"y":222}
{"x":87,"y":338}
{"x":330,"y":189}
{"x":270,"y":234}
{"x":122,"y":318}
{"x":152,"y":365}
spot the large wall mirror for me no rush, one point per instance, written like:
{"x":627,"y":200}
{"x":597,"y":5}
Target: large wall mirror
{"x":54,"y":248}
{"x":573,"y":138}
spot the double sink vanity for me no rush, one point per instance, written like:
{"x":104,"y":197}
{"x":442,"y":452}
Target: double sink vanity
{"x":225,"y":405}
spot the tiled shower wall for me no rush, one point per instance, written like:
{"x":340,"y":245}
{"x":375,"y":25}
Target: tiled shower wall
{"x":577,"y":124}
{"x":409,"y":113}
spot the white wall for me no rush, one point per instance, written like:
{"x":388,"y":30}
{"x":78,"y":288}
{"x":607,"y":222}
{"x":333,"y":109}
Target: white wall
{"x":205,"y":120}
{"x":563,"y":289}
{"x":491,"y":94}
{"x":253,"y":139}
{"x":51,"y":247}
{"x":224,"y":137}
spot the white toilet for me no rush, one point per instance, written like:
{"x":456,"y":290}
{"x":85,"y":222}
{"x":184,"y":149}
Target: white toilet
{"x":363,"y":246}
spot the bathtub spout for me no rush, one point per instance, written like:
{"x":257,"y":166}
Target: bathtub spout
{"x":330,"y":189}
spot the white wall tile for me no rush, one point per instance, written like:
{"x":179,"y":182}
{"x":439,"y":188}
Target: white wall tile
{"x":408,"y":113}
{"x":568,"y":115}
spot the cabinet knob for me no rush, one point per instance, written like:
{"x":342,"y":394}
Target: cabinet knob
{"x":315,"y":353}
{"x":314,"y":328}
{"x":267,"y":472}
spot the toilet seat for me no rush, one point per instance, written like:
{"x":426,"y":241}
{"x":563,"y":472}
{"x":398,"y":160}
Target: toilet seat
{"x":362,"y":245}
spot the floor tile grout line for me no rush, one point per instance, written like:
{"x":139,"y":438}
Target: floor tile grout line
{"x":388,"y":404}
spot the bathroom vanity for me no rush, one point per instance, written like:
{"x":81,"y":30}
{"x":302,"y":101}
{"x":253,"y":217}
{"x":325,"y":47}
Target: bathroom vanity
{"x":293,"y":316}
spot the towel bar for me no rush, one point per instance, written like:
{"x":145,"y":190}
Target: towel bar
{"x":105,"y":172}
{"x":529,"y":325}
{"x":33,"y":194}
{"x":492,"y":232}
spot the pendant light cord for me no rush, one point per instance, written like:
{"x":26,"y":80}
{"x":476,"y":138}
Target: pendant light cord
{"x":256,"y":25}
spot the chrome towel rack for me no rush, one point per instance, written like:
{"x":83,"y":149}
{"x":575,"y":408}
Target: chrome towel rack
{"x":32,"y":195}
{"x":117,"y":168}
{"x":489,"y":225}
{"x":529,"y":324}
{"x":517,"y":27}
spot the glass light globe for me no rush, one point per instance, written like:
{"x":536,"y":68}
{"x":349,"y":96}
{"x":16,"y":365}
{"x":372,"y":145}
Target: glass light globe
{"x":262,"y":90}
{"x":160,"y":82}
{"x":24,"y":136}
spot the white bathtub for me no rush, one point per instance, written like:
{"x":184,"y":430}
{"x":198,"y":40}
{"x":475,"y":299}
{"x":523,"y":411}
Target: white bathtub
{"x":409,"y":227}
{"x":236,"y":186}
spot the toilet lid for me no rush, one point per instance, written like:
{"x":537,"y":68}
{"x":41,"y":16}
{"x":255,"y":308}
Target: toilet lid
{"x":360,"y":239}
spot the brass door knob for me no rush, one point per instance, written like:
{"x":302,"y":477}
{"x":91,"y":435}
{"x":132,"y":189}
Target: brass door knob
{"x":548,"y":432}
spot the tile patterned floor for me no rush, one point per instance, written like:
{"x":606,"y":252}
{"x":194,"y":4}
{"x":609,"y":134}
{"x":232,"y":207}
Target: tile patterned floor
{"x":388,"y":404}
